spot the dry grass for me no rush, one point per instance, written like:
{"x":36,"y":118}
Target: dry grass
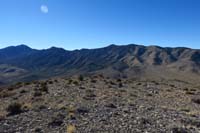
{"x":71,"y":128}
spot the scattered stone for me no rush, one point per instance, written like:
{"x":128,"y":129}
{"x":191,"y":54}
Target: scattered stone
{"x":111,"y":105}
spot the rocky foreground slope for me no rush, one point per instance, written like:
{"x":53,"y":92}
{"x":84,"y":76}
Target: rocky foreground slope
{"x":96,"y":103}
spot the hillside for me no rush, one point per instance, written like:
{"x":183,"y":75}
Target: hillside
{"x":100,"y":104}
{"x":133,"y":61}
{"x":113,"y":89}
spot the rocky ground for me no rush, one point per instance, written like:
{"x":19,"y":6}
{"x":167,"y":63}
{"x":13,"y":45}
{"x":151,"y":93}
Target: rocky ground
{"x":95,"y":104}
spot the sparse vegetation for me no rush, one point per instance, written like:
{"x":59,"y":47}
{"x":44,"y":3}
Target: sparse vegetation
{"x":93,"y":81}
{"x":189,"y":93}
{"x":196,"y":100}
{"x":44,"y":87}
{"x":86,"y":103}
{"x":81,"y":78}
{"x":71,"y":128}
{"x":5,"y":94}
{"x":37,"y":93}
{"x":23,"y":91}
{"x":14,"y":108}
{"x":75,"y":82}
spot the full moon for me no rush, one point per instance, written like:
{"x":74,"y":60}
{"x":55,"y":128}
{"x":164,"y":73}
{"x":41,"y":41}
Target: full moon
{"x":44,"y":9}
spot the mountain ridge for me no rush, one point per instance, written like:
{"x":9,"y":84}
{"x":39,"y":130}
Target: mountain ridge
{"x":114,"y":60}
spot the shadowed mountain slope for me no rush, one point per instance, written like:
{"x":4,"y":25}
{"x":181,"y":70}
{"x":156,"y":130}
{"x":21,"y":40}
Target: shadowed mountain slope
{"x":127,"y":61}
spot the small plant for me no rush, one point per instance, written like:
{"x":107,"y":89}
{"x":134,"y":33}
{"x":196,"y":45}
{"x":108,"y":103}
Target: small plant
{"x":119,"y":80}
{"x":70,"y":81}
{"x":193,"y":89}
{"x":93,"y":81}
{"x":120,"y":85}
{"x":71,"y":128}
{"x":112,"y":83}
{"x":5,"y":94}
{"x":27,"y":83}
{"x":44,"y":87}
{"x":37,"y":94}
{"x":75,"y":82}
{"x":14,"y":108}
{"x":197,"y":101}
{"x":50,"y":82}
{"x":57,"y":120}
{"x":82,"y":88}
{"x":71,"y":112}
{"x":23,"y":91}
{"x":89,"y":95}
{"x":189,"y":93}
{"x":81,"y":78}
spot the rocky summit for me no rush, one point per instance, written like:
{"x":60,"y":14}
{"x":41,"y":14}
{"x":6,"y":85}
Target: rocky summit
{"x":95,"y":103}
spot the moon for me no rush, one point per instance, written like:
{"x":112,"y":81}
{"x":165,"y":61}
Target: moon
{"x":44,"y":9}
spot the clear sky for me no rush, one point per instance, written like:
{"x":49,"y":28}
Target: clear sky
{"x":75,"y":24}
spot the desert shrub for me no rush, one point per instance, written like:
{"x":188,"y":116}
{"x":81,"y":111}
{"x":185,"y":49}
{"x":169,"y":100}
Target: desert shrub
{"x":82,"y":88}
{"x":171,"y":85}
{"x":93,"y":81}
{"x":75,"y":82}
{"x":11,"y":88}
{"x":112,"y":83}
{"x":179,"y":130}
{"x":89,"y":95}
{"x":185,"y":109}
{"x":44,"y":87}
{"x":189,"y":93}
{"x":23,"y":91}
{"x":193,"y":89}
{"x":37,"y":94}
{"x":71,"y":112}
{"x":5,"y":94}
{"x":2,"y":117}
{"x":81,"y":78}
{"x":101,"y":76}
{"x":83,"y":110}
{"x":70,"y":81}
{"x":120,"y":85}
{"x":15,"y":86}
{"x":27,"y":83}
{"x":38,"y":130}
{"x":57,"y":120}
{"x":35,"y":82}
{"x":71,"y":129}
{"x":50,"y":82}
{"x":119,"y":80}
{"x":197,"y":100}
{"x":14,"y":108}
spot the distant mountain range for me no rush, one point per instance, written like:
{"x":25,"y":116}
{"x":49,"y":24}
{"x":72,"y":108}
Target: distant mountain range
{"x":22,"y":63}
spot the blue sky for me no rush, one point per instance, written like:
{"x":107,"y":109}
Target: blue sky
{"x":75,"y":24}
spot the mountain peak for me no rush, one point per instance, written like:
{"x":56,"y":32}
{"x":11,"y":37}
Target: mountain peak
{"x":23,"y":47}
{"x":14,"y":51}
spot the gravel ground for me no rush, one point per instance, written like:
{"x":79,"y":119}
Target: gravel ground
{"x":98,"y":104}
